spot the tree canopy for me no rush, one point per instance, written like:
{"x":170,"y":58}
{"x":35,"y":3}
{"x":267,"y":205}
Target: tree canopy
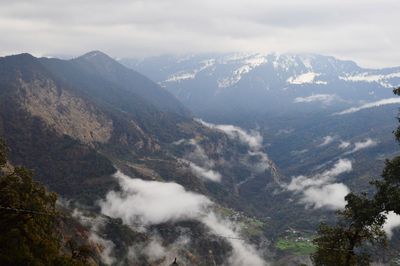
{"x":360,"y":224}
{"x":28,"y":219}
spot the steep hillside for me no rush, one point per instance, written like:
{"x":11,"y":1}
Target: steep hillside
{"x":141,"y":174}
{"x":76,"y":122}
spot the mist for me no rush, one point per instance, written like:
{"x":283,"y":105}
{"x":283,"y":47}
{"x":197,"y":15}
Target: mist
{"x":153,"y":202}
{"x":321,"y":190}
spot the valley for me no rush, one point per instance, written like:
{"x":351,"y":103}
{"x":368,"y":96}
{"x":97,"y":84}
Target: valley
{"x":154,"y":171}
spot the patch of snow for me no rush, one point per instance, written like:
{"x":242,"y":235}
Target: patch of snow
{"x":307,"y":63}
{"x":284,"y":62}
{"x":249,"y":64}
{"x":305,"y":78}
{"x":366,"y":77}
{"x":180,"y":76}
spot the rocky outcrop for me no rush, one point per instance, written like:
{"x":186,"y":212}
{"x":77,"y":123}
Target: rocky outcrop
{"x":65,"y":112}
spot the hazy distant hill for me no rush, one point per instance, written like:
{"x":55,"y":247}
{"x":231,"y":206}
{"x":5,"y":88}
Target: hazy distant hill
{"x":278,"y":83}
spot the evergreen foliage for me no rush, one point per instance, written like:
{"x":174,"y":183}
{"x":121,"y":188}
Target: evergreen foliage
{"x":360,"y":223}
{"x":28,"y":220}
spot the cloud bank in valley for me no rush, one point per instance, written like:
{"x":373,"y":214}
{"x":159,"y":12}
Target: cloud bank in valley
{"x":253,"y":139}
{"x":327,"y":140}
{"x":367,"y":143}
{"x":344,"y":144}
{"x":358,"y":145}
{"x":152,"y":202}
{"x":369,"y":106}
{"x":205,"y":173}
{"x":320,"y":190}
{"x":256,"y":157}
{"x":95,"y":225}
{"x":323,"y":98}
{"x":199,"y":163}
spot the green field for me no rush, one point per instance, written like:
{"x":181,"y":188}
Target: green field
{"x":299,"y":247}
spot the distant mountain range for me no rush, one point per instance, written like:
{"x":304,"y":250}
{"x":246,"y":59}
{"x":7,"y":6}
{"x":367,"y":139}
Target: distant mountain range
{"x":259,"y":83}
{"x":127,"y":151}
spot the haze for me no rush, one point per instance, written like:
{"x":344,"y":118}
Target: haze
{"x":364,"y":31}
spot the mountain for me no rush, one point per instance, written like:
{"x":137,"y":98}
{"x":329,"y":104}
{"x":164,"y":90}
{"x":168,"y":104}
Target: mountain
{"x":315,"y":113}
{"x":296,"y":101}
{"x":89,"y":127}
{"x":258,"y":83}
{"x":151,"y":182}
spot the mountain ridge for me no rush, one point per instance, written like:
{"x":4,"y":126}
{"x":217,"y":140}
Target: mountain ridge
{"x":234,"y":83}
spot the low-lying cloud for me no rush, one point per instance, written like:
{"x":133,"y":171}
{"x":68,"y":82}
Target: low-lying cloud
{"x":392,"y":222}
{"x":369,"y":105}
{"x":95,"y":225}
{"x":344,"y":144}
{"x":199,"y":163}
{"x":243,"y":254}
{"x":156,"y":252}
{"x":320,"y":190}
{"x":322,"y":98}
{"x":202,"y":172}
{"x":253,"y":139}
{"x":327,"y":140}
{"x":152,"y":202}
{"x":361,"y":145}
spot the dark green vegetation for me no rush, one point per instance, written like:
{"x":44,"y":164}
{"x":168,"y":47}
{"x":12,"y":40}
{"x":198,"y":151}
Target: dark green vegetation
{"x":359,"y":226}
{"x":30,"y":224}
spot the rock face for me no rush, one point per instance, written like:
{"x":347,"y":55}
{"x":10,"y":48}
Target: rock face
{"x":65,"y":112}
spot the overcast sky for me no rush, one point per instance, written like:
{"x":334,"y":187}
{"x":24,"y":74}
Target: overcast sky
{"x":366,"y":31}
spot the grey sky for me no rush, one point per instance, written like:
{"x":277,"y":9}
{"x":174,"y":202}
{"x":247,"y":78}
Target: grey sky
{"x":366,"y":31}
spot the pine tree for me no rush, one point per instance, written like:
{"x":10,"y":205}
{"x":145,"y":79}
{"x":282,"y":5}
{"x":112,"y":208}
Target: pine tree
{"x":28,"y":219}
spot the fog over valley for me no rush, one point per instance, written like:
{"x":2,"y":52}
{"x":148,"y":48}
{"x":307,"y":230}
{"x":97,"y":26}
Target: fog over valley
{"x":225,"y":133}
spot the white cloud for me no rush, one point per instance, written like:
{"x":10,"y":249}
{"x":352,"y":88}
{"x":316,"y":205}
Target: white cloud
{"x":156,"y":252}
{"x":320,"y":191}
{"x":323,"y":98}
{"x":95,"y":225}
{"x":199,"y":156}
{"x":243,"y":254}
{"x":330,"y":196}
{"x":207,"y":174}
{"x":106,"y":250}
{"x":392,"y":222}
{"x":262,"y":162}
{"x":199,"y":163}
{"x":367,"y":143}
{"x":344,"y":144}
{"x":369,"y":105}
{"x":253,"y":139}
{"x":298,"y":152}
{"x":327,"y":140}
{"x":152,"y":202}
